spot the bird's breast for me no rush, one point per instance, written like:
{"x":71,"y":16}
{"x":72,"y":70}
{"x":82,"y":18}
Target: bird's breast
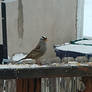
{"x":43,"y":49}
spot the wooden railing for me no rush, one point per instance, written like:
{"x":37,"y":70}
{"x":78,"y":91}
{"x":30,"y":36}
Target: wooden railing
{"x":28,"y":79}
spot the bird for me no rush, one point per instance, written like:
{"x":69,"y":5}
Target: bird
{"x":38,"y":51}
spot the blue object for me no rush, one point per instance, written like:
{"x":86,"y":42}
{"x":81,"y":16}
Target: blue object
{"x":61,"y":54}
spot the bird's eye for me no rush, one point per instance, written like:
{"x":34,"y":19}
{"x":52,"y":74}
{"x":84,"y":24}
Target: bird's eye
{"x":43,"y":38}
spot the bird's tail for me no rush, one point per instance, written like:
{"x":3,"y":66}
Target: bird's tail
{"x":16,"y":62}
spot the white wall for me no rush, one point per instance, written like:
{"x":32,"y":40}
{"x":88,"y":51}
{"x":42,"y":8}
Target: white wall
{"x":57,"y":18}
{"x":80,"y":17}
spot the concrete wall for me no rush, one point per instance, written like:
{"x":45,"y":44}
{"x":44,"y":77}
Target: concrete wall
{"x":27,"y":20}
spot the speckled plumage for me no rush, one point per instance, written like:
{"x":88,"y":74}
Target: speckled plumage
{"x":38,"y":51}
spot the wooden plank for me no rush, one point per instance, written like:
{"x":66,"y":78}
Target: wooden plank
{"x":55,"y":72}
{"x":88,"y":84}
{"x":28,"y":85}
{"x":43,"y":72}
{"x":8,"y":73}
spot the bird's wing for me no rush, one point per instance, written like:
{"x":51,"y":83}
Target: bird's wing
{"x":34,"y":53}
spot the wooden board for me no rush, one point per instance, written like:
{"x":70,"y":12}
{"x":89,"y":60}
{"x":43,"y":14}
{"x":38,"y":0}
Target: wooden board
{"x":42,"y":72}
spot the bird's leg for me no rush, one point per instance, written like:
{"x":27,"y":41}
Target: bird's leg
{"x":38,"y":61}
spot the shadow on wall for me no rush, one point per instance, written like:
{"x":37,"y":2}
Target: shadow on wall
{"x":20,"y":20}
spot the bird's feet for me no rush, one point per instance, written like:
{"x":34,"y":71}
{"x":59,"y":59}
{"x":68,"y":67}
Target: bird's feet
{"x":38,"y":62}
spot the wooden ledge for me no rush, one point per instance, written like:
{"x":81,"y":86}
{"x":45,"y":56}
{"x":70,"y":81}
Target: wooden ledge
{"x":28,"y":71}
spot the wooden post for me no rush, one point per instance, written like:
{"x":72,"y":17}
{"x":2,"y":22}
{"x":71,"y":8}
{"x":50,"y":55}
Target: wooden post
{"x":88,"y":84}
{"x":28,"y":85}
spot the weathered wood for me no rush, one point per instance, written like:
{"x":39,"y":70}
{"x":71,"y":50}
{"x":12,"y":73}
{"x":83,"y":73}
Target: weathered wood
{"x":9,"y":85}
{"x":28,"y":85}
{"x":1,"y":85}
{"x":88,"y":83}
{"x":52,"y":84}
{"x":43,"y":72}
{"x":8,"y":73}
{"x":55,"y":72}
{"x":27,"y":78}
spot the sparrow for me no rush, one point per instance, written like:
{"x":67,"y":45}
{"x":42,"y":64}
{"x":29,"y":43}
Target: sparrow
{"x":38,"y":51}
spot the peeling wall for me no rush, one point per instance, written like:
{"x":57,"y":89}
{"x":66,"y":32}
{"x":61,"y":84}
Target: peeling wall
{"x":28,"y":20}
